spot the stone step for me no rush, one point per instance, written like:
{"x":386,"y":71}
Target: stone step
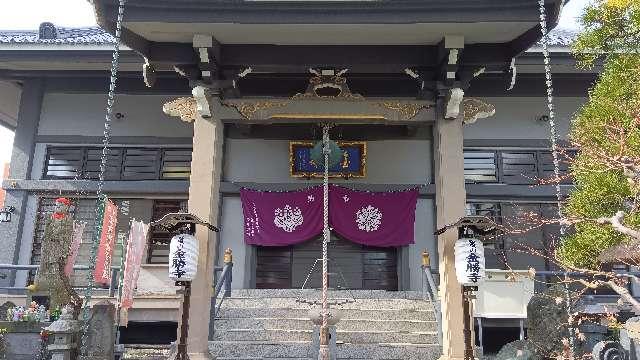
{"x":343,"y":325}
{"x":352,"y":337}
{"x":317,"y":294}
{"x":399,"y":314}
{"x":259,"y":358}
{"x":147,"y":352}
{"x":280,"y":350}
{"x":359,"y":304}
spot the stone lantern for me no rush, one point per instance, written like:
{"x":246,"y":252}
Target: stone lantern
{"x":64,"y":333}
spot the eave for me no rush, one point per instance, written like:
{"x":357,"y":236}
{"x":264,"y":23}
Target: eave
{"x":323,"y":12}
{"x":189,"y":14}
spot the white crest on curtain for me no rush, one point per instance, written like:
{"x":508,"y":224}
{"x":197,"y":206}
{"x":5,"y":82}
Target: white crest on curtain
{"x":470,"y":262}
{"x":288,"y":219}
{"x":369,"y":218}
{"x":183,"y":258}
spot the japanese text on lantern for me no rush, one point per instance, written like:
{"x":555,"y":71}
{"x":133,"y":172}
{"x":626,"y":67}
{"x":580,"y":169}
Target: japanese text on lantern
{"x":102,"y":273}
{"x":470,"y":262}
{"x":179,"y":261}
{"x":473,"y":263}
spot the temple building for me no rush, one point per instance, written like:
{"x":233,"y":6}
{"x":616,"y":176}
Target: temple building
{"x":220,"y":101}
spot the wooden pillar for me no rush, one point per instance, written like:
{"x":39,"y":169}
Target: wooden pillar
{"x":204,"y":199}
{"x":450,"y":206}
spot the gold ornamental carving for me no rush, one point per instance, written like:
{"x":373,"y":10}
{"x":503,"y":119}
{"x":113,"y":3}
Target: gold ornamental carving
{"x":406,"y":110}
{"x":475,"y":109}
{"x":327,"y":88}
{"x":249,"y":109}
{"x":185,"y":108}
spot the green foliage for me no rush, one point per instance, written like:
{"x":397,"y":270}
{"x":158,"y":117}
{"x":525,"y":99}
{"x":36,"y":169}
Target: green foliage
{"x":606,"y":129}
{"x":610,"y":27}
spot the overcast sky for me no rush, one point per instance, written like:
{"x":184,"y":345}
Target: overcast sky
{"x":28,"y":14}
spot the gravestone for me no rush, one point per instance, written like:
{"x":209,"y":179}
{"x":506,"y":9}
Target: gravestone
{"x":100,"y":341}
{"x":4,"y":308}
{"x":630,"y":338}
{"x":548,"y":321}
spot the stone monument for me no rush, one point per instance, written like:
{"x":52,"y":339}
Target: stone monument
{"x":100,"y":341}
{"x":4,"y":308}
{"x":516,"y":350}
{"x":630,"y":338}
{"x":548,"y":321}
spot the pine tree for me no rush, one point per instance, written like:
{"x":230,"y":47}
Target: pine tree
{"x":607,"y":132}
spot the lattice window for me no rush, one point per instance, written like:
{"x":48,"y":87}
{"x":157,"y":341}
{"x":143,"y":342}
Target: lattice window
{"x":480,"y":166}
{"x":158,"y":252}
{"x":123,"y":163}
{"x":517,"y":167}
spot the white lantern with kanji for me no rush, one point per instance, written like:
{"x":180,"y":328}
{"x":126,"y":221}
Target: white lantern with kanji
{"x":183,"y":258}
{"x":470,"y":262}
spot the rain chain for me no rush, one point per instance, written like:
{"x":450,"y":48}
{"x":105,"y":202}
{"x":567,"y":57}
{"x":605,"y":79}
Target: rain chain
{"x":115,"y":62}
{"x":553,"y":136}
{"x":553,"y":133}
{"x":324,"y":346}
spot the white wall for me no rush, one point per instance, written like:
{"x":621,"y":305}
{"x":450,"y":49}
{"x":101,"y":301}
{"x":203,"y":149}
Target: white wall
{"x":83,"y":114}
{"x":9,"y":102}
{"x":515,"y":118}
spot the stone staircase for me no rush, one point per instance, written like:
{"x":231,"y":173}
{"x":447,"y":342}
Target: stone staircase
{"x":272,"y":324}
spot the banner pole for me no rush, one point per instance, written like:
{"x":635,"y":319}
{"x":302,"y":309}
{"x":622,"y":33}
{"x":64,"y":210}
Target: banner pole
{"x":123,"y":256}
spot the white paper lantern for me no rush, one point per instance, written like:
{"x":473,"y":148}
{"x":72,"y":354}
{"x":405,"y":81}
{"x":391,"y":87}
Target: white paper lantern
{"x":470,"y":262}
{"x":183,"y":258}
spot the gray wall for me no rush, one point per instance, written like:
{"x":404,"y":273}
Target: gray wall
{"x":83,"y":114}
{"x":388,"y":161}
{"x":515,"y":118}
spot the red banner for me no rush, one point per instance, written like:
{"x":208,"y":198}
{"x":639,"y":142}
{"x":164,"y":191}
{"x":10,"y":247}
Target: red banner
{"x":76,"y":239}
{"x":135,"y":250}
{"x":102,"y":273}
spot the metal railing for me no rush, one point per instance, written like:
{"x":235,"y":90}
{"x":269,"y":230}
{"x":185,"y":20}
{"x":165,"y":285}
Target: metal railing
{"x":430,"y":291}
{"x":113,"y":286}
{"x":223,"y":286}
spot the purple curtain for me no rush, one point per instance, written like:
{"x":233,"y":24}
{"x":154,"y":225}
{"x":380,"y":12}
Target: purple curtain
{"x":281,"y":218}
{"x":383,"y":219}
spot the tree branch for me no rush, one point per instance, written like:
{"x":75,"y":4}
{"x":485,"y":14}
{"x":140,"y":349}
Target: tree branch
{"x":616,"y":223}
{"x":623,"y":292}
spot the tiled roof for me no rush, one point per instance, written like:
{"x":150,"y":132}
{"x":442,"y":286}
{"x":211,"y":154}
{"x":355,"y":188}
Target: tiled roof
{"x":562,"y":37}
{"x":64,"y":36}
{"x":97,"y":36}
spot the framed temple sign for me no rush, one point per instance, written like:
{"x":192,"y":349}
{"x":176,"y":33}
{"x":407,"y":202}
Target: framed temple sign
{"x":353,"y":163}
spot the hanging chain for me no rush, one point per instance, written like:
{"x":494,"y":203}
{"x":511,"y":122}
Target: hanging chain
{"x":326,"y":150}
{"x":115,"y":62}
{"x":553,"y":133}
